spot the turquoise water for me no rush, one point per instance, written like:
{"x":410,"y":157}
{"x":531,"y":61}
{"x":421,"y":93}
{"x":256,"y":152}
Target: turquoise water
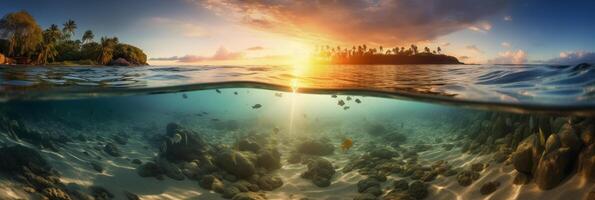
{"x":340,"y":132}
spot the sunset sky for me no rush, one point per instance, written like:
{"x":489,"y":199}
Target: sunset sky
{"x":281,"y":32}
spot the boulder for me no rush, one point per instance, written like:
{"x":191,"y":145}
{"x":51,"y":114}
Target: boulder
{"x":522,"y":158}
{"x":246,"y":186}
{"x":365,"y":196}
{"x":121,"y":140}
{"x":552,"y":168}
{"x":56,"y":194}
{"x":364,"y":184}
{"x":320,"y":171}
{"x":237,"y":163}
{"x":97,"y":166}
{"x":374,"y":190}
{"x":211,"y":182}
{"x":149,"y":169}
{"x":586,"y":163}
{"x":101,"y":193}
{"x":171,"y":170}
{"x":401,"y":185}
{"x":383,"y":153}
{"x":398,"y":195}
{"x":269,"y":182}
{"x":15,"y":158}
{"x":229,"y":192}
{"x":588,"y":134}
{"x":489,"y":187}
{"x":465,"y":178}
{"x":418,"y":190}
{"x":552,"y":143}
{"x":316,"y":147}
{"x":477,"y":167}
{"x":112,"y":150}
{"x":269,"y":159}
{"x":182,"y":144}
{"x":249,"y":196}
{"x":248,"y":144}
{"x":136,"y":161}
{"x":119,"y":62}
{"x":130,"y":195}
{"x":569,"y":138}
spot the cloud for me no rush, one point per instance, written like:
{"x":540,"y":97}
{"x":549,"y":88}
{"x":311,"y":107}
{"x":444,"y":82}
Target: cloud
{"x":463,"y":57}
{"x":184,"y":28}
{"x":255,"y":48}
{"x":573,"y":57}
{"x":473,"y":48}
{"x":221,"y":54}
{"x":482,"y":27}
{"x":508,"y":18}
{"x":505,"y":44}
{"x":355,"y":21}
{"x":510,"y":57}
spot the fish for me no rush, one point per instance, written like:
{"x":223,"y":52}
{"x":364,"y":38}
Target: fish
{"x":341,"y":103}
{"x":348,"y":98}
{"x":236,"y":93}
{"x":200,"y":115}
{"x":184,"y":96}
{"x":334,"y":96}
{"x":256,"y":106}
{"x":358,"y":101}
{"x":347,"y":144}
{"x":215,"y":119}
{"x":346,"y":108}
{"x":276,"y":130}
{"x":205,"y":113}
{"x":218,"y":91}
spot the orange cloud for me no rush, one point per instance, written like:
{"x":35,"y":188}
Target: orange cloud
{"x":357,"y":21}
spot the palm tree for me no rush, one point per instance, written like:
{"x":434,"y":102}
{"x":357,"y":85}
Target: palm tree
{"x":69,"y":28}
{"x":47,"y":49}
{"x":53,"y":27}
{"x":107,"y":49}
{"x":88,"y":36}
{"x":414,"y":49}
{"x":427,"y":50}
{"x":439,"y":50}
{"x":53,"y":33}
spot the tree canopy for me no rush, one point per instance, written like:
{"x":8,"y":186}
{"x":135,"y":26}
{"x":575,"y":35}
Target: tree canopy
{"x":22,"y":33}
{"x":21,"y":37}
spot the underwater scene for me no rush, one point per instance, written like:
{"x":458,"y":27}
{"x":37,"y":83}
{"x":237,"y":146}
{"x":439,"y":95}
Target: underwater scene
{"x":74,"y":139}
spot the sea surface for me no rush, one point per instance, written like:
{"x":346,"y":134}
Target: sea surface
{"x":298,"y":132}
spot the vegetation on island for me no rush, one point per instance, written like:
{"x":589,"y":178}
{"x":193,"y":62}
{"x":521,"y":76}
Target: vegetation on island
{"x":397,"y":55}
{"x":23,"y":41}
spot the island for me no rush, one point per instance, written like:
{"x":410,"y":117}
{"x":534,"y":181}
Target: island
{"x":381,"y":56}
{"x":23,"y":42}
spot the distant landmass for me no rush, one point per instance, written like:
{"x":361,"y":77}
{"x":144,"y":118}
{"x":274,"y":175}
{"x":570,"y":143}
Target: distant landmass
{"x":22,"y":41}
{"x":380,"y":56}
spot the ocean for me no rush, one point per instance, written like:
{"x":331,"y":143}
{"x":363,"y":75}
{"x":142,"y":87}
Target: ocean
{"x":298,"y":132}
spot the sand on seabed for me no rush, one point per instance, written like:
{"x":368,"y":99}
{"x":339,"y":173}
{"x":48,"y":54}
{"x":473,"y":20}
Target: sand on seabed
{"x":120,"y":175}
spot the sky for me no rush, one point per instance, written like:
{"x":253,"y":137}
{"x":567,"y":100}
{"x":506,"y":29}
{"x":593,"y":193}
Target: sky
{"x":284,"y":31}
